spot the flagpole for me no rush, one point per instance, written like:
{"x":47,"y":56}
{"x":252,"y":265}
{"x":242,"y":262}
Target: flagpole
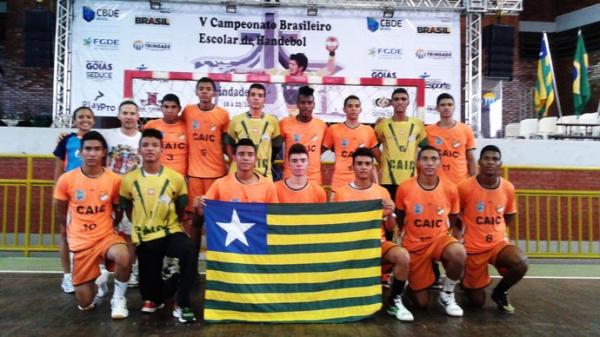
{"x":553,"y":76}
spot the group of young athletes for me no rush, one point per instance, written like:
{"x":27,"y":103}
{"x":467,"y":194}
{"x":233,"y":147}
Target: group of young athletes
{"x":133,"y":202}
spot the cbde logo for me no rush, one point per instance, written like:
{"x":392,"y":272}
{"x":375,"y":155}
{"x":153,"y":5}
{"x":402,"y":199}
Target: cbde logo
{"x":375,"y":24}
{"x":100,"y":14}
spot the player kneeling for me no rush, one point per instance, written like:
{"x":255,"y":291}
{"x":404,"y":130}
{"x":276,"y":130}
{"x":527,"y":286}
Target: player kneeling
{"x":363,"y":188}
{"x":430,"y":205}
{"x":154,"y":197}
{"x":90,"y":194}
{"x":488,"y":207}
{"x":298,"y":188}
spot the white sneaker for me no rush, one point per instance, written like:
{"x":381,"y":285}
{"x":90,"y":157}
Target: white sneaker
{"x":102,"y":283}
{"x":399,"y":310}
{"x":448,"y":301}
{"x":67,"y":284}
{"x":118,"y":308}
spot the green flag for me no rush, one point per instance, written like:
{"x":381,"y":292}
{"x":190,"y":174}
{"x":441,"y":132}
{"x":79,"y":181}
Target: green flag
{"x":581,"y":83}
{"x":544,"y":89}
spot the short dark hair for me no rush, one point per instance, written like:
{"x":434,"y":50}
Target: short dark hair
{"x":349,"y":98}
{"x":206,"y":80}
{"x":153,"y":133}
{"x":305,"y":91}
{"x":426,"y":148}
{"x":400,"y":91}
{"x":244,"y":142}
{"x":301,"y":59}
{"x":492,"y":148}
{"x":442,"y":96}
{"x":94,"y":135}
{"x":297,"y":149}
{"x":80,"y":109}
{"x":128,"y":102}
{"x":257,"y":86}
{"x":362,"y":151}
{"x":171,"y":98}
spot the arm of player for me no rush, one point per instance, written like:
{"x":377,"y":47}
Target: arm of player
{"x":59,"y":165}
{"x":125,"y":206}
{"x":276,"y":144}
{"x":376,"y":168}
{"x":180,"y":204}
{"x":389,"y":216}
{"x":61,"y":207}
{"x":471,"y":162}
{"x":453,"y":219}
{"x":509,"y":219}
{"x":457,"y":229}
{"x":400,"y":217}
{"x":199,"y":205}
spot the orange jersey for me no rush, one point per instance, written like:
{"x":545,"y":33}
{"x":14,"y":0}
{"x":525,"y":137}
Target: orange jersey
{"x":343,"y":141}
{"x":309,"y":134}
{"x":229,"y":188}
{"x":426,"y":211}
{"x":205,"y":131}
{"x":483,"y":213}
{"x":91,"y":203}
{"x":310,"y":193}
{"x":453,"y":144}
{"x":175,"y":147}
{"x":349,"y":193}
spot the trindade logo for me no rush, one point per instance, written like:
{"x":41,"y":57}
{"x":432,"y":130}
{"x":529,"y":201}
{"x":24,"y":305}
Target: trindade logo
{"x":138,"y":44}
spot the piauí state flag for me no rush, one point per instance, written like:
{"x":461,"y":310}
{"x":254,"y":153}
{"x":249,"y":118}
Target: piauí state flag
{"x":544,"y":88}
{"x":285,"y":263}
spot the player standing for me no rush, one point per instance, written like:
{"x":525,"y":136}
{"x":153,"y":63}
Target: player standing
{"x":260,"y":127}
{"x":206,"y":125}
{"x":400,"y":137}
{"x":455,"y":141}
{"x":344,"y":138}
{"x":123,"y":157}
{"x":307,"y":130}
{"x":175,"y":147}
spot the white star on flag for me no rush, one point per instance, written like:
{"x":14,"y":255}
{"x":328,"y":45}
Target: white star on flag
{"x":235,"y":229}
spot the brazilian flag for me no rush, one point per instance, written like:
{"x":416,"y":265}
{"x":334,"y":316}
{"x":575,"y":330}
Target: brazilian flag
{"x":284,"y":263}
{"x":581,"y":83}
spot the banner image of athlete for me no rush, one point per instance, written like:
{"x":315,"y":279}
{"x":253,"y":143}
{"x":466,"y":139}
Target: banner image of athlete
{"x":254,"y":274}
{"x":110,"y":37}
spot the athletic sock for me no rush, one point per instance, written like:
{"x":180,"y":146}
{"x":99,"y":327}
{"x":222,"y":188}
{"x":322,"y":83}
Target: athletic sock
{"x":449,"y":285}
{"x":397,"y":287}
{"x":120,"y":289}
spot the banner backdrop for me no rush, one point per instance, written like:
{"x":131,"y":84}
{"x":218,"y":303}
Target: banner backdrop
{"x":112,"y":36}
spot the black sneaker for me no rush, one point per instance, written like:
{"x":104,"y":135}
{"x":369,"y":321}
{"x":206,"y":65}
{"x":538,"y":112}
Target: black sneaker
{"x":502,"y":301}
